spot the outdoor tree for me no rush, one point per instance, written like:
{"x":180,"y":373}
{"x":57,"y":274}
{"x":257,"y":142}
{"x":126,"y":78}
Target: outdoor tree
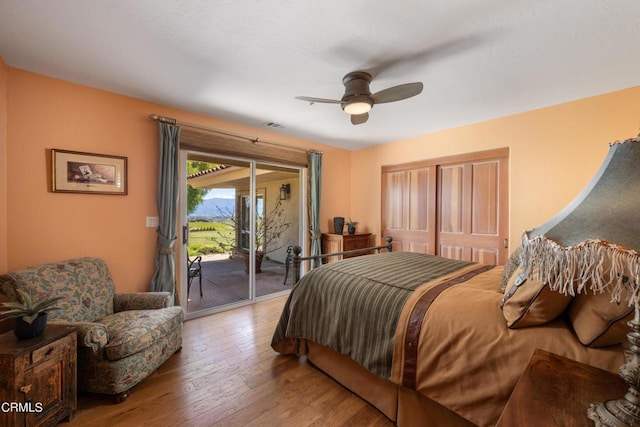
{"x":270,"y":226}
{"x":196,"y":195}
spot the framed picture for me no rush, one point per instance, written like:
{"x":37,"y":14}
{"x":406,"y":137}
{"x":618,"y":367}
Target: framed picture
{"x":76,"y":172}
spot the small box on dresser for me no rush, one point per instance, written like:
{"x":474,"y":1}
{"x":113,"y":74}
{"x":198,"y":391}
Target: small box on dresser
{"x":38,"y":378}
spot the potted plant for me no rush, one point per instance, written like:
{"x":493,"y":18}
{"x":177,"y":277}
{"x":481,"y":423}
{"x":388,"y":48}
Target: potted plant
{"x":351,"y":226}
{"x":30,"y":316}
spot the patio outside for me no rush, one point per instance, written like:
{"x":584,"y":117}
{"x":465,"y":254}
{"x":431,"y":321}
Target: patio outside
{"x":224,"y":281}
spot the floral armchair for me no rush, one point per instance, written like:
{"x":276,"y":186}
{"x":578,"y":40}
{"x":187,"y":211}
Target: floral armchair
{"x":122,"y":338}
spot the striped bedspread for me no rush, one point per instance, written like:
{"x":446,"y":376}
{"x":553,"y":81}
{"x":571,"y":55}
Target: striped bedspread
{"x":353,"y":306}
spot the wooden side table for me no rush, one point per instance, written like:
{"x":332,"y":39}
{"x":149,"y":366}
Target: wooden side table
{"x":556,"y":391}
{"x":332,"y":243}
{"x":38,"y":378}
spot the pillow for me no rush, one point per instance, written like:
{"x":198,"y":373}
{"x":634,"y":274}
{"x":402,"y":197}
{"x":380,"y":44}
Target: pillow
{"x":597,"y":321}
{"x":510,"y":267}
{"x":531,"y":302}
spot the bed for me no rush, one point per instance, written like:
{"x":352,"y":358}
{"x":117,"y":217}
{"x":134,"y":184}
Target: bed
{"x":426,"y":340}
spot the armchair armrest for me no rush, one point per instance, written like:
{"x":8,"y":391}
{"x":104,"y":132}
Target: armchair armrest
{"x":141,"y":301}
{"x":90,"y":334}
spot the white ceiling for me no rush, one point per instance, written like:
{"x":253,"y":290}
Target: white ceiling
{"x":245,"y":61}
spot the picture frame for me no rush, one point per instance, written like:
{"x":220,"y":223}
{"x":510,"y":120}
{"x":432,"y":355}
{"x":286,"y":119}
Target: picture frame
{"x":89,"y":173}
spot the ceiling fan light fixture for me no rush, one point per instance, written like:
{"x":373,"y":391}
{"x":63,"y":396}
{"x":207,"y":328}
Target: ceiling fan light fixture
{"x":358,"y":100}
{"x":358,"y":104}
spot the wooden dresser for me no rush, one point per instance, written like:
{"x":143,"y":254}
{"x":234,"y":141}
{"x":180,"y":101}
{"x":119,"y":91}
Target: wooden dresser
{"x":332,"y":243}
{"x":38,"y":378}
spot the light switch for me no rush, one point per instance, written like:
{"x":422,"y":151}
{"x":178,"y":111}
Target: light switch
{"x":152,"y":221}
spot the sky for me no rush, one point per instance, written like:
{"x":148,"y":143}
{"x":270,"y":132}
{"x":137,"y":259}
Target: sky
{"x":220,"y":193}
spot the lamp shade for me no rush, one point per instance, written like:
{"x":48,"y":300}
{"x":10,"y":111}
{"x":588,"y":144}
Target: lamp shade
{"x":594,"y":241}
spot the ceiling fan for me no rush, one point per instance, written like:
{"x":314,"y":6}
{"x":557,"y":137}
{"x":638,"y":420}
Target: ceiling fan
{"x":358,"y":99}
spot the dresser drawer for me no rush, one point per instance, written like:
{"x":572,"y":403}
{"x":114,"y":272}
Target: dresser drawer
{"x":358,"y":242}
{"x":332,"y":243}
{"x":48,"y":352}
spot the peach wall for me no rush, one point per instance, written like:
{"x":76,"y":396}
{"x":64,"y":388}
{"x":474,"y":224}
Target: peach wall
{"x":554,"y":152}
{"x":4,"y":71}
{"x":47,"y":113}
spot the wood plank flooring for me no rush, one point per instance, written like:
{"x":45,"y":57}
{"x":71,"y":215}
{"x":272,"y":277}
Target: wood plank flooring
{"x":228,"y":375}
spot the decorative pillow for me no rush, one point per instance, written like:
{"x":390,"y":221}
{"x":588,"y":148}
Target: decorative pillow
{"x":599,"y":322}
{"x":531,"y":302}
{"x":510,"y":267}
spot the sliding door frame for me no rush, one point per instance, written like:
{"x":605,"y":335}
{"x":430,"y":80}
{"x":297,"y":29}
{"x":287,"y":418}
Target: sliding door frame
{"x":181,"y":257}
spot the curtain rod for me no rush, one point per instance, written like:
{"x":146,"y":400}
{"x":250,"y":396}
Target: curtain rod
{"x":253,"y":140}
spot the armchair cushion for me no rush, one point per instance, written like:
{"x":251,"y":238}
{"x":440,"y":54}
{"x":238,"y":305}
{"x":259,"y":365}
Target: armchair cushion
{"x":141,"y":301}
{"x":132,"y":331}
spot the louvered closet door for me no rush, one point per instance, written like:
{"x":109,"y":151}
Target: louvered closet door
{"x":408,"y":209}
{"x":472,"y":211}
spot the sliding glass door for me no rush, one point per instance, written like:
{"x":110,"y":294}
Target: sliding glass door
{"x":240,"y":219}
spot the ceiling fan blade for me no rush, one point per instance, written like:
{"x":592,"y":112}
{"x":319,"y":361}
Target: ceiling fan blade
{"x":397,"y":93}
{"x":320,"y":100}
{"x":357,"y":119}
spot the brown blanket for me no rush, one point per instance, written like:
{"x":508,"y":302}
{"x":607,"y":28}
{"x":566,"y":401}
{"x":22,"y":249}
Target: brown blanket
{"x":469,"y":361}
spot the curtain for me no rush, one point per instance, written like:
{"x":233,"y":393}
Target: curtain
{"x":315,"y":177}
{"x":164,"y":278}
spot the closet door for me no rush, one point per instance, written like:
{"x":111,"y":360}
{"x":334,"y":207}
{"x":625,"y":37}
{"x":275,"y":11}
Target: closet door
{"x":455,"y":207}
{"x":472,"y":211}
{"x":409,"y":208}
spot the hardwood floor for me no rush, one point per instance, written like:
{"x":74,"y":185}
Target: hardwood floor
{"x":228,"y":375}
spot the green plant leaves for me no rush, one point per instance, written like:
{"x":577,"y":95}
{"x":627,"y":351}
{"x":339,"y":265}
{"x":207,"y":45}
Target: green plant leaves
{"x":28,"y":309}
